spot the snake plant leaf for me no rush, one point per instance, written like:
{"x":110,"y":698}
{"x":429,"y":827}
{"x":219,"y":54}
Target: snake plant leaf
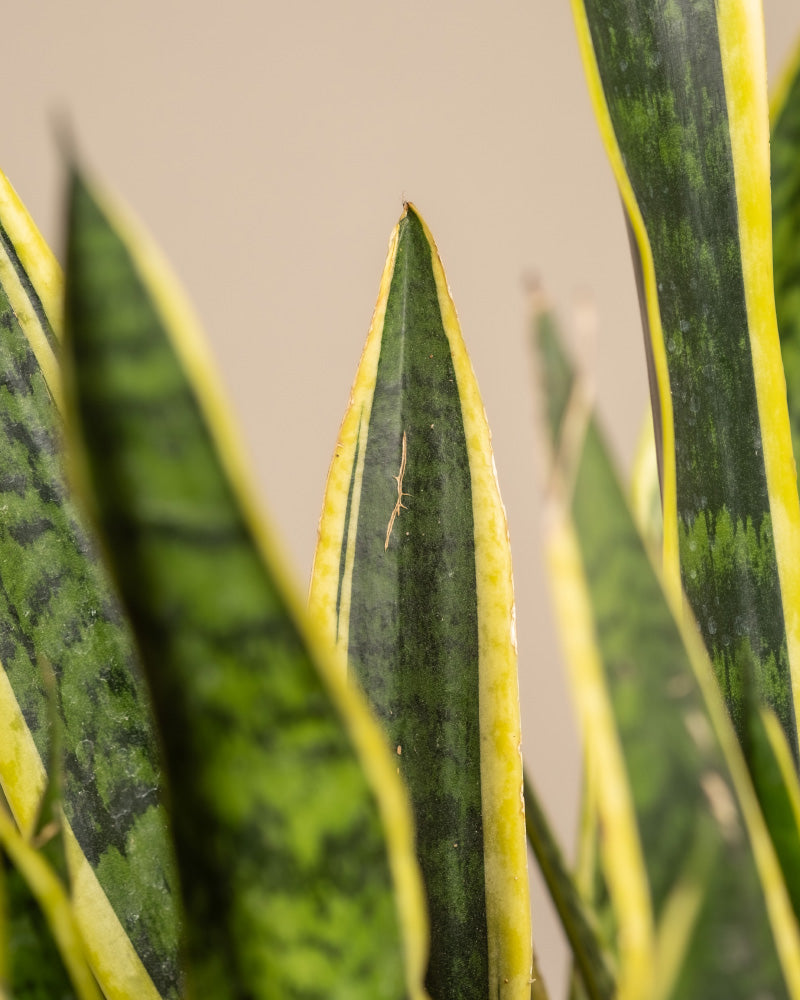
{"x":784,"y":147}
{"x":688,"y":860}
{"x":32,"y":283}
{"x":37,"y":969}
{"x":784,"y":144}
{"x":59,"y":613}
{"x":589,"y":879}
{"x":34,"y":968}
{"x":775,"y":778}
{"x":56,"y":907}
{"x":412,"y":586}
{"x":679,"y":90}
{"x":592,"y":962}
{"x":291,"y":829}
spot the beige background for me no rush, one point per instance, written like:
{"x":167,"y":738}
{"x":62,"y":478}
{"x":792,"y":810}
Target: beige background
{"x":269,"y":148}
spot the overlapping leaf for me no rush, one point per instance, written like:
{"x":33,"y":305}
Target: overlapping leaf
{"x":412,"y":585}
{"x":784,"y":146}
{"x":680,"y":93}
{"x":58,"y":612}
{"x":291,"y":831}
{"x":701,"y":906}
{"x":592,"y":963}
{"x":47,"y":954}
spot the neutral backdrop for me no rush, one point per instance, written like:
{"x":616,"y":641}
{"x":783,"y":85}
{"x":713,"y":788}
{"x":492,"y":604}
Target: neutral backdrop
{"x":269,"y":148}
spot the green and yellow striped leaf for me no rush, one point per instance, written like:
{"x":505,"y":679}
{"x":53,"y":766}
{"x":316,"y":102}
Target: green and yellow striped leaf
{"x":679,"y":89}
{"x":34,"y":967}
{"x":785,"y":183}
{"x":47,"y":950}
{"x":593,"y":964}
{"x":701,"y":906}
{"x":764,"y":748}
{"x":412,"y":586}
{"x":292,"y":833}
{"x":775,"y":777}
{"x":58,"y":612}
{"x":785,"y":163}
{"x":590,"y":882}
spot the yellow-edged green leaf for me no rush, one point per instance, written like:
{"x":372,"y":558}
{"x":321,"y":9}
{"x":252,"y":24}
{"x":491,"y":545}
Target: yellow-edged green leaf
{"x":292,"y":833}
{"x":785,"y":162}
{"x":701,"y":906}
{"x":785,"y":177}
{"x":590,"y":881}
{"x":679,"y":89}
{"x":412,"y":586}
{"x":55,"y":905}
{"x":775,"y":777}
{"x":58,"y":612}
{"x":760,"y":742}
{"x":35,"y":969}
{"x":588,"y":954}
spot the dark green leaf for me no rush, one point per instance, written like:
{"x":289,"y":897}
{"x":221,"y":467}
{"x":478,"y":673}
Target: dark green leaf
{"x":285,"y":869}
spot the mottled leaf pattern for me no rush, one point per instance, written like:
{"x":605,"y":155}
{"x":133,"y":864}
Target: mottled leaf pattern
{"x":593,"y":965}
{"x":669,"y":775}
{"x":680,"y":92}
{"x":59,"y":613}
{"x":47,"y":952}
{"x":412,"y":585}
{"x":286,"y":871}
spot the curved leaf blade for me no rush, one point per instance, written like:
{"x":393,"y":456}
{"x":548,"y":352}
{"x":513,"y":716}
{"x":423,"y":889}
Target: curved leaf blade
{"x":412,"y":585}
{"x":57,"y":609}
{"x":32,"y":282}
{"x":784,"y":146}
{"x":290,"y":826}
{"x":672,"y":769}
{"x":680,"y":95}
{"x":52,"y":898}
{"x":588,"y":954}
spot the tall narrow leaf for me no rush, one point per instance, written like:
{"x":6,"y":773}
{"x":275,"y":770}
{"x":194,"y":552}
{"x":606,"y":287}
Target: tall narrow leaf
{"x":593,"y":964}
{"x":412,"y":585}
{"x":291,"y":831}
{"x":785,"y":163}
{"x":51,"y":896}
{"x":58,"y":612}
{"x":680,"y":93}
{"x":702,"y":908}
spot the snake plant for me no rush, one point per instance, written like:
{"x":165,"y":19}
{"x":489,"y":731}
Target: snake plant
{"x":211,"y":788}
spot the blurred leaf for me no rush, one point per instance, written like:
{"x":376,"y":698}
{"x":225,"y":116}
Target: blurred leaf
{"x":36,"y":969}
{"x":291,"y":830}
{"x":593,"y":964}
{"x":590,"y":881}
{"x":412,"y":585}
{"x":776,"y":782}
{"x":701,"y":905}
{"x":59,"y":614}
{"x":646,"y":490}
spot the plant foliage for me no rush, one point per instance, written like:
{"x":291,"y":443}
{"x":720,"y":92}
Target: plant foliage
{"x":210,"y":790}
